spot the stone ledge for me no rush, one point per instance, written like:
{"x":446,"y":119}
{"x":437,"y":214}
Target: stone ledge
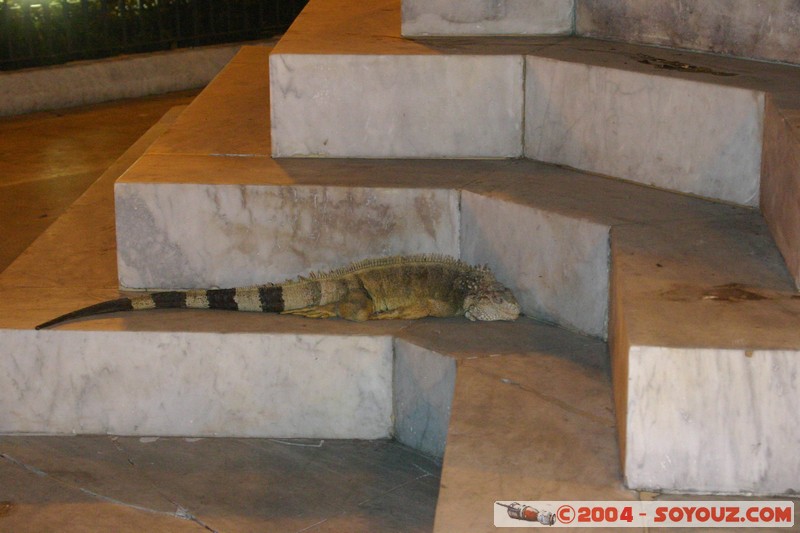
{"x":89,"y":82}
{"x":196,"y":384}
{"x":396,"y":106}
{"x":675,"y":134}
{"x":557,"y":439}
{"x":240,"y":236}
{"x":704,"y":353}
{"x":481,"y":17}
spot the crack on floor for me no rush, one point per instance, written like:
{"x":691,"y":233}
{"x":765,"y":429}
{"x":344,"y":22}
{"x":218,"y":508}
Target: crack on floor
{"x":425,"y":474}
{"x":114,"y":441}
{"x":551,"y":400}
{"x":177,"y":514}
{"x":300,"y":444}
{"x":312,"y":526}
{"x":415,"y":465}
{"x":371,"y":499}
{"x":396,"y":487}
{"x":180,"y":512}
{"x":29,"y":468}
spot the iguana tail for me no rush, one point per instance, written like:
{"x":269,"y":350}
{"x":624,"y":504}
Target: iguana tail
{"x":267,"y":299}
{"x":111,"y":306}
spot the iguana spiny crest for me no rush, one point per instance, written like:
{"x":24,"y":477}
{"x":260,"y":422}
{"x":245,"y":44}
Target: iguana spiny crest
{"x":403,"y":287}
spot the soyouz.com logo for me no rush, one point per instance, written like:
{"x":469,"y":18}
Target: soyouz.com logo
{"x":653,"y":514}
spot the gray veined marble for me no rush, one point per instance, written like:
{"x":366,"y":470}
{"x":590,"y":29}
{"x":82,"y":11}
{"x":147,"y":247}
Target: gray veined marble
{"x":713,"y":420}
{"x":396,"y":106}
{"x":424,"y":382}
{"x":704,"y":344}
{"x":183,"y":236}
{"x":672,"y":133}
{"x":762,"y":30}
{"x":556,"y":265}
{"x":197,"y":384}
{"x":487,"y":17}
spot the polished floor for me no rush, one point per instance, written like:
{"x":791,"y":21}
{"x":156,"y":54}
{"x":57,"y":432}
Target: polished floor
{"x":106,"y":483}
{"x":48,"y":159}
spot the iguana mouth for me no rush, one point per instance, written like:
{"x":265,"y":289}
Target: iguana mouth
{"x":497,"y":304}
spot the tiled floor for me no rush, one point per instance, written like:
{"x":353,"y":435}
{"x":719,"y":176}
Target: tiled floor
{"x":138,"y":484}
{"x":105,"y":483}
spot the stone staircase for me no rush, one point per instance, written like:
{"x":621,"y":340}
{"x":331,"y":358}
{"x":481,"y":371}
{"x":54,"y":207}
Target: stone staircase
{"x":642,"y":202}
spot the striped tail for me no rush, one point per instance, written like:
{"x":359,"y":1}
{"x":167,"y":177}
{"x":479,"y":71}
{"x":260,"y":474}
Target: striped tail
{"x":266,"y":299}
{"x":111,"y":306}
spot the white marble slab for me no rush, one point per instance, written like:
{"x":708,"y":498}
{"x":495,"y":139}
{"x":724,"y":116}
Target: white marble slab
{"x":424,"y":382}
{"x":487,"y":17}
{"x":705,"y":358}
{"x":130,"y":76}
{"x":414,"y":106}
{"x":195,"y":235}
{"x":713,"y":420}
{"x":763,"y":30}
{"x":672,"y":133}
{"x":195,"y":384}
{"x":556,"y":265}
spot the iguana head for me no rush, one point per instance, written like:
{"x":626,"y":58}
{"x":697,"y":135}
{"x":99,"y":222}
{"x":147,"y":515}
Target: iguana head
{"x":488,"y":299}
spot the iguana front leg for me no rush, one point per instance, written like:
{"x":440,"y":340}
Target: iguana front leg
{"x":314,"y":311}
{"x":418,"y":310}
{"x":356,"y":306}
{"x":409,"y":312}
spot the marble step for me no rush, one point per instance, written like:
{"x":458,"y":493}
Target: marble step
{"x":488,"y":17}
{"x":359,"y":90}
{"x":757,"y":31}
{"x":344,"y":83}
{"x":705,"y":354}
{"x":196,"y":373}
{"x":702,"y":326}
{"x":558,"y":442}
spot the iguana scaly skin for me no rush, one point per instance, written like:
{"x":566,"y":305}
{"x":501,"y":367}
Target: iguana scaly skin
{"x":385,"y":288}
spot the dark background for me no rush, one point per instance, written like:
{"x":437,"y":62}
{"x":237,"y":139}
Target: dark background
{"x":37,"y":33}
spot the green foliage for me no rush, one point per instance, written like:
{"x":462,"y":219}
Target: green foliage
{"x":44,"y":32}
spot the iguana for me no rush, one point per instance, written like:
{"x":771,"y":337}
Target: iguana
{"x":404,"y":287}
